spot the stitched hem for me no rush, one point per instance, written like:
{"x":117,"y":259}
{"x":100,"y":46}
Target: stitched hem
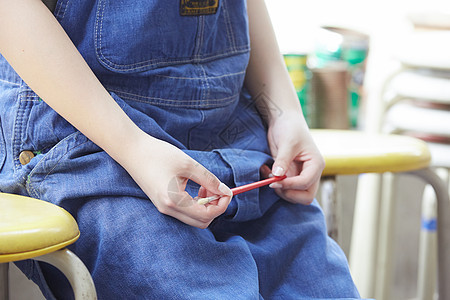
{"x":196,"y":103}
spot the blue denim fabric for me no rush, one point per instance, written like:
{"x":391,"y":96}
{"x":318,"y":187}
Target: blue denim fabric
{"x":180,"y":79}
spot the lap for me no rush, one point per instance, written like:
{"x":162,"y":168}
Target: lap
{"x":134,"y":252}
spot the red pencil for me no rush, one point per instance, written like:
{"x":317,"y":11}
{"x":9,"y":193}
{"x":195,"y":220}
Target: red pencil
{"x":242,"y":189}
{"x":255,"y":185}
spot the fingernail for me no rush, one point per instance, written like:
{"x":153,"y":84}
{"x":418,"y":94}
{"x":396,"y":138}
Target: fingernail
{"x":275,"y":185}
{"x":278,"y":171}
{"x":225,"y":190}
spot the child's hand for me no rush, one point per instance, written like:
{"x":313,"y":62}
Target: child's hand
{"x":296,"y":156}
{"x":162,"y":171}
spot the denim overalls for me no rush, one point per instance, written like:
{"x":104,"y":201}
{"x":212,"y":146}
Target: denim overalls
{"x":177,"y":69}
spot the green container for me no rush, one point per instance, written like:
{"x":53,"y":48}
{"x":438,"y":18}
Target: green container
{"x":341,"y":44}
{"x":356,"y":61}
{"x":300,"y":76}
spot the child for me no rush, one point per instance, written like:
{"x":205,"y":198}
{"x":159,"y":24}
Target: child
{"x":125,"y":111}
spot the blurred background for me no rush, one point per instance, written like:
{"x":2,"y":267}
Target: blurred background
{"x":379,"y":27}
{"x":340,"y":54}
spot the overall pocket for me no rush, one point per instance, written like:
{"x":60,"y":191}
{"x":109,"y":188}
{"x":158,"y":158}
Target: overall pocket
{"x":141,"y":35}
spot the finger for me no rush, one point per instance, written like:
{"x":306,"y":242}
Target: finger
{"x":285,"y":156}
{"x":208,"y":180}
{"x":309,"y":175}
{"x":186,"y":209}
{"x":297,"y":196}
{"x":221,"y":202}
{"x":265,"y":171}
{"x":176,"y":204}
{"x":202,"y":213}
{"x":202,"y":192}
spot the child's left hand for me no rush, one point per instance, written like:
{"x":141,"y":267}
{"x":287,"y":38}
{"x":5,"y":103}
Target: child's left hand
{"x":296,"y":156}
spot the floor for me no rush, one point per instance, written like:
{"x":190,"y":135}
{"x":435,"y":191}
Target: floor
{"x":20,"y":288}
{"x":406,"y":236}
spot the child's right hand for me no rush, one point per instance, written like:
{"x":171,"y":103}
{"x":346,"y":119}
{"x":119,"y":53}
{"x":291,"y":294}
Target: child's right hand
{"x":162,"y":171}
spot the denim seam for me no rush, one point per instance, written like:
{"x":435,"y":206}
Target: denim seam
{"x":176,"y":103}
{"x":65,"y":9}
{"x":199,"y":37}
{"x":154,"y":63}
{"x":200,"y":78}
{"x":30,"y":100}
{"x":98,"y":27}
{"x":61,"y":7}
{"x":203,"y":89}
{"x":207,"y":86}
{"x":202,"y":114}
{"x":27,"y":99}
{"x":18,"y":128}
{"x":230,"y":33}
{"x":12,"y":83}
{"x":2,"y":145}
{"x":202,"y":18}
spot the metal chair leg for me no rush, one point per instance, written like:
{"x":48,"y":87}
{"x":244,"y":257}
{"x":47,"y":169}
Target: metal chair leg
{"x":443,"y":227}
{"x":75,"y":271}
{"x":330,"y":206}
{"x":384,"y":257}
{"x":365,"y":233}
{"x":427,"y":262}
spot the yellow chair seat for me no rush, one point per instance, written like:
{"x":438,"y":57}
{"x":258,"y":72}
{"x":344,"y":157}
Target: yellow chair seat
{"x":31,"y":227}
{"x":355,"y":152}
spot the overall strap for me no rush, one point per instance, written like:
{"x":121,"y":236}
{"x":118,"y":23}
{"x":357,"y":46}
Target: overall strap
{"x":51,"y":4}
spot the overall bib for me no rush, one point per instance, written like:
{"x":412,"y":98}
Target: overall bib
{"x":176,"y":67}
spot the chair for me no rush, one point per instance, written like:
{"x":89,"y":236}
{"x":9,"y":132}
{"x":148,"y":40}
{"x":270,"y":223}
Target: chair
{"x":418,"y":90}
{"x":355,"y":152}
{"x":35,"y":229}
{"x":401,"y":117}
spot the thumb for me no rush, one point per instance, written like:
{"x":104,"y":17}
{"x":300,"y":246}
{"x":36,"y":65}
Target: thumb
{"x":285,"y":156}
{"x":211,"y":183}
